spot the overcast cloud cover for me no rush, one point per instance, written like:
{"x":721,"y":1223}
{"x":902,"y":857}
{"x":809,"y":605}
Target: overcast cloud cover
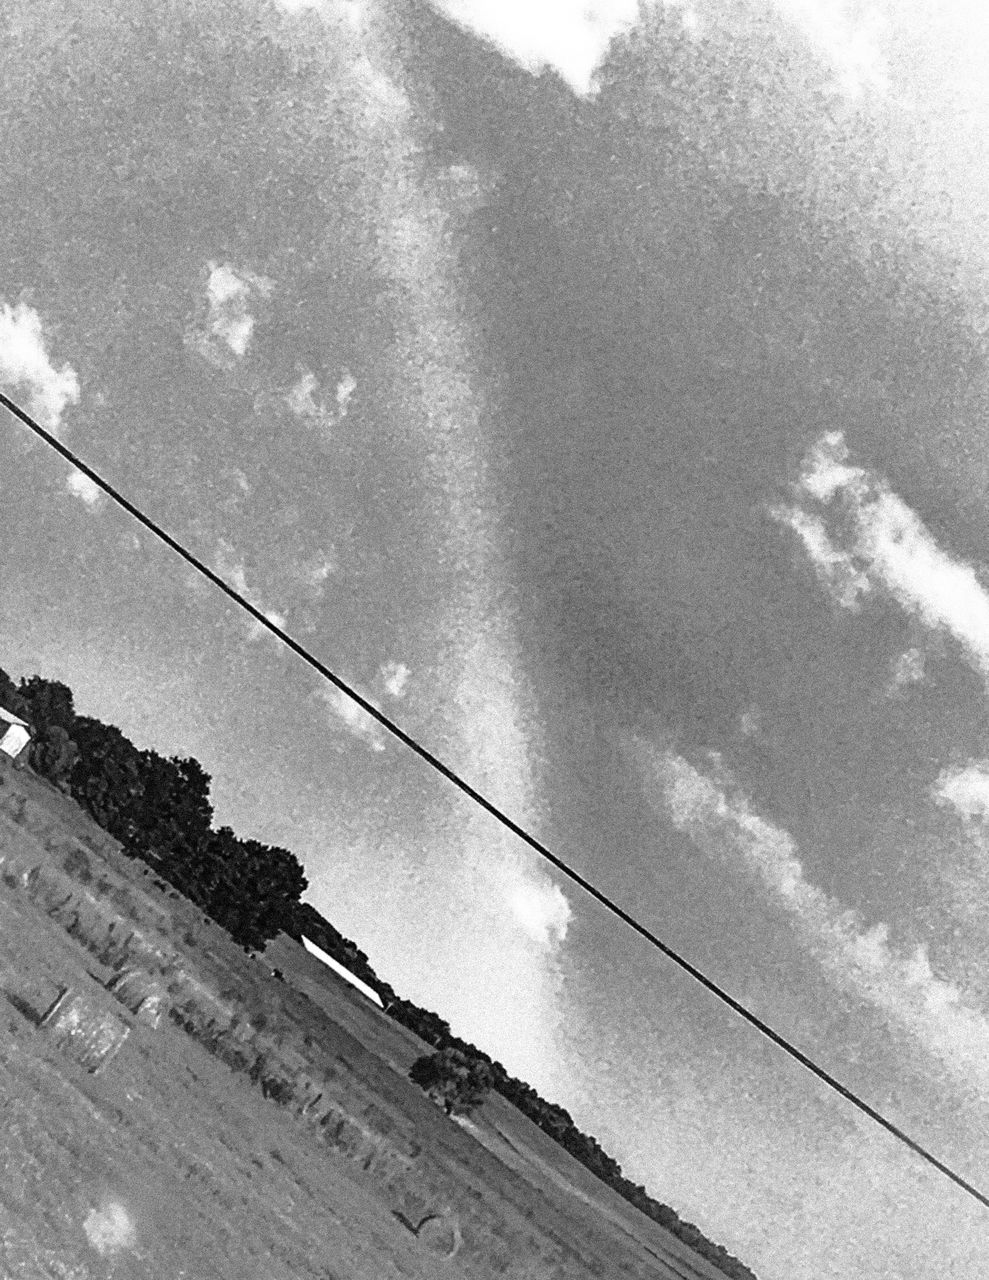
{"x":600,"y":389}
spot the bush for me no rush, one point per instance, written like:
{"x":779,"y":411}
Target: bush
{"x":454,"y":1080}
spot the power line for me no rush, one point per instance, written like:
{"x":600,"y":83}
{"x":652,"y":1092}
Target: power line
{"x":780,"y":1041}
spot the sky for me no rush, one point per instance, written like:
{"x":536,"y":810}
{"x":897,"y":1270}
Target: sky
{"x":599,"y":389}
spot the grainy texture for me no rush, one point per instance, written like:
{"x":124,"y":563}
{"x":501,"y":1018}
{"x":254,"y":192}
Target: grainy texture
{"x":170,"y":1110}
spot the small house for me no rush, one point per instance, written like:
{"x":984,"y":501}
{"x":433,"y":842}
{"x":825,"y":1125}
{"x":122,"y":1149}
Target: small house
{"x":15,"y":734}
{"x":343,"y":972}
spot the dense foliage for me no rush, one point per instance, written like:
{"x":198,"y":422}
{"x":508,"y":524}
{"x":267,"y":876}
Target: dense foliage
{"x":159,"y":809}
{"x":458,"y":1082}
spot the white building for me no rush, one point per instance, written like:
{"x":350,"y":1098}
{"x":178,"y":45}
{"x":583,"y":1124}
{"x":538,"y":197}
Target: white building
{"x":344,"y":973}
{"x":14,"y":734}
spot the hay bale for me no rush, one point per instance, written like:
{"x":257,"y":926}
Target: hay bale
{"x":34,"y":996}
{"x":89,"y":1034}
{"x":142,"y":994}
{"x":439,"y":1234}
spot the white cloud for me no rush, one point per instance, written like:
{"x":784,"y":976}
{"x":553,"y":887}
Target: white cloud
{"x":849,"y":43}
{"x":26,"y":366}
{"x":903,"y":987}
{"x":384,"y":101}
{"x":257,"y":631}
{"x":360,"y":723}
{"x":353,"y":13}
{"x":345,"y":390}
{"x":826,"y":470}
{"x":394,"y":677}
{"x":540,"y":908}
{"x":887,"y":545}
{"x":966,"y":789}
{"x":300,"y":398}
{"x":571,"y":36}
{"x":750,"y":721}
{"x":304,"y":401}
{"x":908,"y":669}
{"x":321,"y":571}
{"x":836,"y":569}
{"x":87,"y":490}
{"x":226,"y":328}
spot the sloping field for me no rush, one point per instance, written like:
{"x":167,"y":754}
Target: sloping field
{"x":170,"y":1110}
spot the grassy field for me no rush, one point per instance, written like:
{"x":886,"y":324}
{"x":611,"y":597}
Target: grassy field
{"x":171,"y":1110}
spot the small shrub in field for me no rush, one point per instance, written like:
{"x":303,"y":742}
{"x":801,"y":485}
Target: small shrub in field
{"x":453,"y":1080}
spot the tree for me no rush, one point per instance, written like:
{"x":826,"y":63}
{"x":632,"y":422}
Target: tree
{"x":10,"y":699}
{"x":249,"y":888}
{"x":107,"y":779}
{"x":53,"y":755}
{"x":48,"y":702}
{"x":456,"y":1081}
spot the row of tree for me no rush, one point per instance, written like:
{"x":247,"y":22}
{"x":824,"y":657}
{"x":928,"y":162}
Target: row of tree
{"x":160,"y":811}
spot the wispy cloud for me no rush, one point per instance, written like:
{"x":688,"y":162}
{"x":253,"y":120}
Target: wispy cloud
{"x":836,"y":569}
{"x":224,"y":328}
{"x":909,"y":668}
{"x":305,"y":400}
{"x":966,"y":789}
{"x":316,"y":573}
{"x":394,"y":677}
{"x":750,"y":722}
{"x":85,"y":489}
{"x":869,"y":538}
{"x":301,"y":399}
{"x":352,"y":716}
{"x":571,"y":36}
{"x":26,"y":367}
{"x":847,"y":38}
{"x":234,"y":573}
{"x":344,"y":392}
{"x":900,"y":984}
{"x":257,"y":631}
{"x":541,"y":909}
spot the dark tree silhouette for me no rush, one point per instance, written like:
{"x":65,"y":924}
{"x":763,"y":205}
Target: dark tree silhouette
{"x":48,"y":702}
{"x":53,"y":754}
{"x":454,"y":1080}
{"x":10,"y":699}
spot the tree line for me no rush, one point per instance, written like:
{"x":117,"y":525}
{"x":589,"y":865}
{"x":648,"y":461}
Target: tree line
{"x":160,"y":811}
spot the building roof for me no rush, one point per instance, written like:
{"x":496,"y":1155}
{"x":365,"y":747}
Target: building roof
{"x":12,"y":719}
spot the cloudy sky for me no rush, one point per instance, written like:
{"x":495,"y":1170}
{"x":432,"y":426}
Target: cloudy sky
{"x":601,"y":389}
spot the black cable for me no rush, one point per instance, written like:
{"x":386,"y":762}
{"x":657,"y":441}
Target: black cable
{"x":495,"y":812}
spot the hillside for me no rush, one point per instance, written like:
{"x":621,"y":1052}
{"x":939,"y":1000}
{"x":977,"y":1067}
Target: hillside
{"x":160,"y":812}
{"x":242,"y":1125}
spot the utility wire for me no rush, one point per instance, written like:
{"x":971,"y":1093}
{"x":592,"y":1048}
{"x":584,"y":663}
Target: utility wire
{"x":780,"y":1041}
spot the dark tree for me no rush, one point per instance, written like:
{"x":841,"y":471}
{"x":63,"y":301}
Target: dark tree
{"x":53,"y":755}
{"x":249,"y":888}
{"x":10,"y":699}
{"x":48,"y":702}
{"x":107,"y":780}
{"x":454,"y":1080}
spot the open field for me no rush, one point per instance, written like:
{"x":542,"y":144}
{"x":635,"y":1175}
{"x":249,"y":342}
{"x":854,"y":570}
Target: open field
{"x":170,"y":1110}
